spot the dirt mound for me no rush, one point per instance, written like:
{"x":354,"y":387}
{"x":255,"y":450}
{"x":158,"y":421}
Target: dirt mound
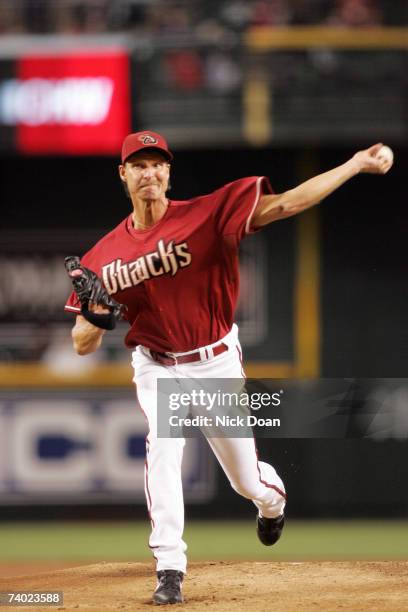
{"x":256,"y":587}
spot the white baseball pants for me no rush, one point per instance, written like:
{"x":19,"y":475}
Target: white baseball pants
{"x":251,"y":478}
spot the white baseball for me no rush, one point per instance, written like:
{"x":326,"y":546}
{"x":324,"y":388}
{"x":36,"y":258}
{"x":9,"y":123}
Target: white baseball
{"x":387,"y":153}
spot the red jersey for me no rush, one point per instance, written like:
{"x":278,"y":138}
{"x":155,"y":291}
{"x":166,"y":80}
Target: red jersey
{"x":179,"y":278}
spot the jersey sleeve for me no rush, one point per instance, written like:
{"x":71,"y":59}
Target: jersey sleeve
{"x":236,"y":203}
{"x":72,"y":304}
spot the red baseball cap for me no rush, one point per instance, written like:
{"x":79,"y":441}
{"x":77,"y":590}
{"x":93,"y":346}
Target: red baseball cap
{"x":144,"y":140}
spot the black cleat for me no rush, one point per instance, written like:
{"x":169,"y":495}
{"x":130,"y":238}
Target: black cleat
{"x":168,"y":589}
{"x":269,"y":530}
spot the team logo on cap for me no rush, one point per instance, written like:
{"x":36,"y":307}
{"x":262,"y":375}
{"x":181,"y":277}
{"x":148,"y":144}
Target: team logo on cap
{"x":148,"y":140}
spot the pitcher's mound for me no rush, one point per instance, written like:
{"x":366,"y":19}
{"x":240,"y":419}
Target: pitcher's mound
{"x":226,"y":586}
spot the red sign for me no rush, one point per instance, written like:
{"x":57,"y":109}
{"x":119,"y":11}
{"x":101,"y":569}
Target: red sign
{"x":76,"y":103}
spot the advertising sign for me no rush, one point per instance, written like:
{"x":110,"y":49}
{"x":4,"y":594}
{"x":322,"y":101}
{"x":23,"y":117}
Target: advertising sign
{"x":75,"y":103}
{"x":83,"y":447}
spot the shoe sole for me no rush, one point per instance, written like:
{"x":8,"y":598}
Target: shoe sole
{"x":167,"y":603}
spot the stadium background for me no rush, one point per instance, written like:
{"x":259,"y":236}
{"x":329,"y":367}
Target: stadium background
{"x":286,"y":89}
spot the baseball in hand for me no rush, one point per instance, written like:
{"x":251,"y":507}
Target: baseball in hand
{"x":386,"y":153}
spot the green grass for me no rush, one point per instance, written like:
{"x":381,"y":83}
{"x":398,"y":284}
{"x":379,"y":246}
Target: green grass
{"x":206,"y":541}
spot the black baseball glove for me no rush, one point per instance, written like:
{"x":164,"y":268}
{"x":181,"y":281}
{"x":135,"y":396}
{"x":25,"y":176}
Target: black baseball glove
{"x":89,"y":288}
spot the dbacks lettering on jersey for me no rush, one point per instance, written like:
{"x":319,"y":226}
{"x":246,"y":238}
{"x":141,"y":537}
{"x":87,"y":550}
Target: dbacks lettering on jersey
{"x":165,"y":260}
